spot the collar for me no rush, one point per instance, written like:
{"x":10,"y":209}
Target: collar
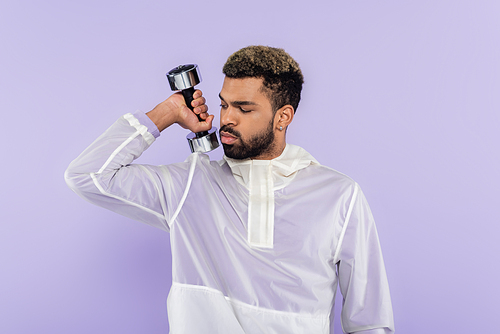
{"x":262,"y":178}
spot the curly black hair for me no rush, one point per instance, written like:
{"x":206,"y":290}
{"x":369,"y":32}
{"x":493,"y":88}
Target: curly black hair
{"x":281,"y":74}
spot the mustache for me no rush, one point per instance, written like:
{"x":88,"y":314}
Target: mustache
{"x":230,"y":130}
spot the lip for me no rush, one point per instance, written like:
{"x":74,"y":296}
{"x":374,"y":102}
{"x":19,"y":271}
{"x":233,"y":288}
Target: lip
{"x":227,"y":138}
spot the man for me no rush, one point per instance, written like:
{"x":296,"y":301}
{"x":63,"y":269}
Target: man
{"x":259,"y":239}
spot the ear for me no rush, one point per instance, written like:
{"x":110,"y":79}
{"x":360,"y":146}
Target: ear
{"x":283,"y":117}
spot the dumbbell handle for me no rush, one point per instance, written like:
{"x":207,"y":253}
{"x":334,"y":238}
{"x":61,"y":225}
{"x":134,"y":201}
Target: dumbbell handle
{"x":188,"y":97}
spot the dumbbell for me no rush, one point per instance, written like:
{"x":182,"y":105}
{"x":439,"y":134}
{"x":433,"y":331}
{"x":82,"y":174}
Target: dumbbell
{"x":183,"y":78}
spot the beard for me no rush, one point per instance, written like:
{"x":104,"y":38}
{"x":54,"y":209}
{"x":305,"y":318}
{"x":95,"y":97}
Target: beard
{"x":259,"y":144}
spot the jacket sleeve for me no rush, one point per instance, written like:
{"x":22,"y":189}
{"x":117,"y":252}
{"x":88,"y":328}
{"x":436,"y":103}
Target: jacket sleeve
{"x":367,"y":307}
{"x":103,"y":175}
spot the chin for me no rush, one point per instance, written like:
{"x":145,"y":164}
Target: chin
{"x":232,"y":152}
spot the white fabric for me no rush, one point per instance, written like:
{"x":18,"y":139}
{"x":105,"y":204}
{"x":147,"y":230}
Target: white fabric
{"x":261,"y":205}
{"x":223,"y":282}
{"x":259,"y":177}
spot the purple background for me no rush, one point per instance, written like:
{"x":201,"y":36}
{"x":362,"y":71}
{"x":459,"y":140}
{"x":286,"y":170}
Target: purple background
{"x":401,"y":96}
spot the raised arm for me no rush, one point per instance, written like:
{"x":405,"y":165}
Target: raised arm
{"x":104,"y":174}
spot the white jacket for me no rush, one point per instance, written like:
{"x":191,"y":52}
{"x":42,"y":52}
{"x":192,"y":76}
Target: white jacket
{"x":257,"y":246}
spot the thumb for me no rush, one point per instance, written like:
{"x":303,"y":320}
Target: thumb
{"x":203,"y":125}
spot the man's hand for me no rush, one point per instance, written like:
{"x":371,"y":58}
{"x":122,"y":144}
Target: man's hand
{"x":174,"y":110}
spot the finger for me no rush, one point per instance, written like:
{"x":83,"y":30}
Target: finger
{"x":207,"y":123}
{"x":197,"y":93}
{"x":201,"y":109}
{"x":199,"y":112}
{"x":204,"y":116}
{"x":198,"y":101}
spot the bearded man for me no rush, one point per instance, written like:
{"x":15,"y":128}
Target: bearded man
{"x":261,"y":238}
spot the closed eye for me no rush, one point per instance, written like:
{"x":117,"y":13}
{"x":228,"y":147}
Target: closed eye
{"x":243,"y":110}
{"x":237,"y":104}
{"x":224,"y":106}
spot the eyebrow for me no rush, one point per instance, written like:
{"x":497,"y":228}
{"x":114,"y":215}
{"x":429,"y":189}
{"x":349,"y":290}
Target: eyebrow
{"x":239,"y":103}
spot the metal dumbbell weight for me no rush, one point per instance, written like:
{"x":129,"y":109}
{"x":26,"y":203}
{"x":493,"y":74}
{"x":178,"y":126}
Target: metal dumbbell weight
{"x":183,"y":78}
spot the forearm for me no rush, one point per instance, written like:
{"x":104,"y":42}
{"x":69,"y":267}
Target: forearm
{"x":161,"y":119}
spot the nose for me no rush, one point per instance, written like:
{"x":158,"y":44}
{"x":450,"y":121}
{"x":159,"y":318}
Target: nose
{"x":228,"y":116}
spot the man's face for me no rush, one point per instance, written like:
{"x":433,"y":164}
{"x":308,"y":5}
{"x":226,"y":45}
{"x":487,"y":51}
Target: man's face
{"x":246,"y":120}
